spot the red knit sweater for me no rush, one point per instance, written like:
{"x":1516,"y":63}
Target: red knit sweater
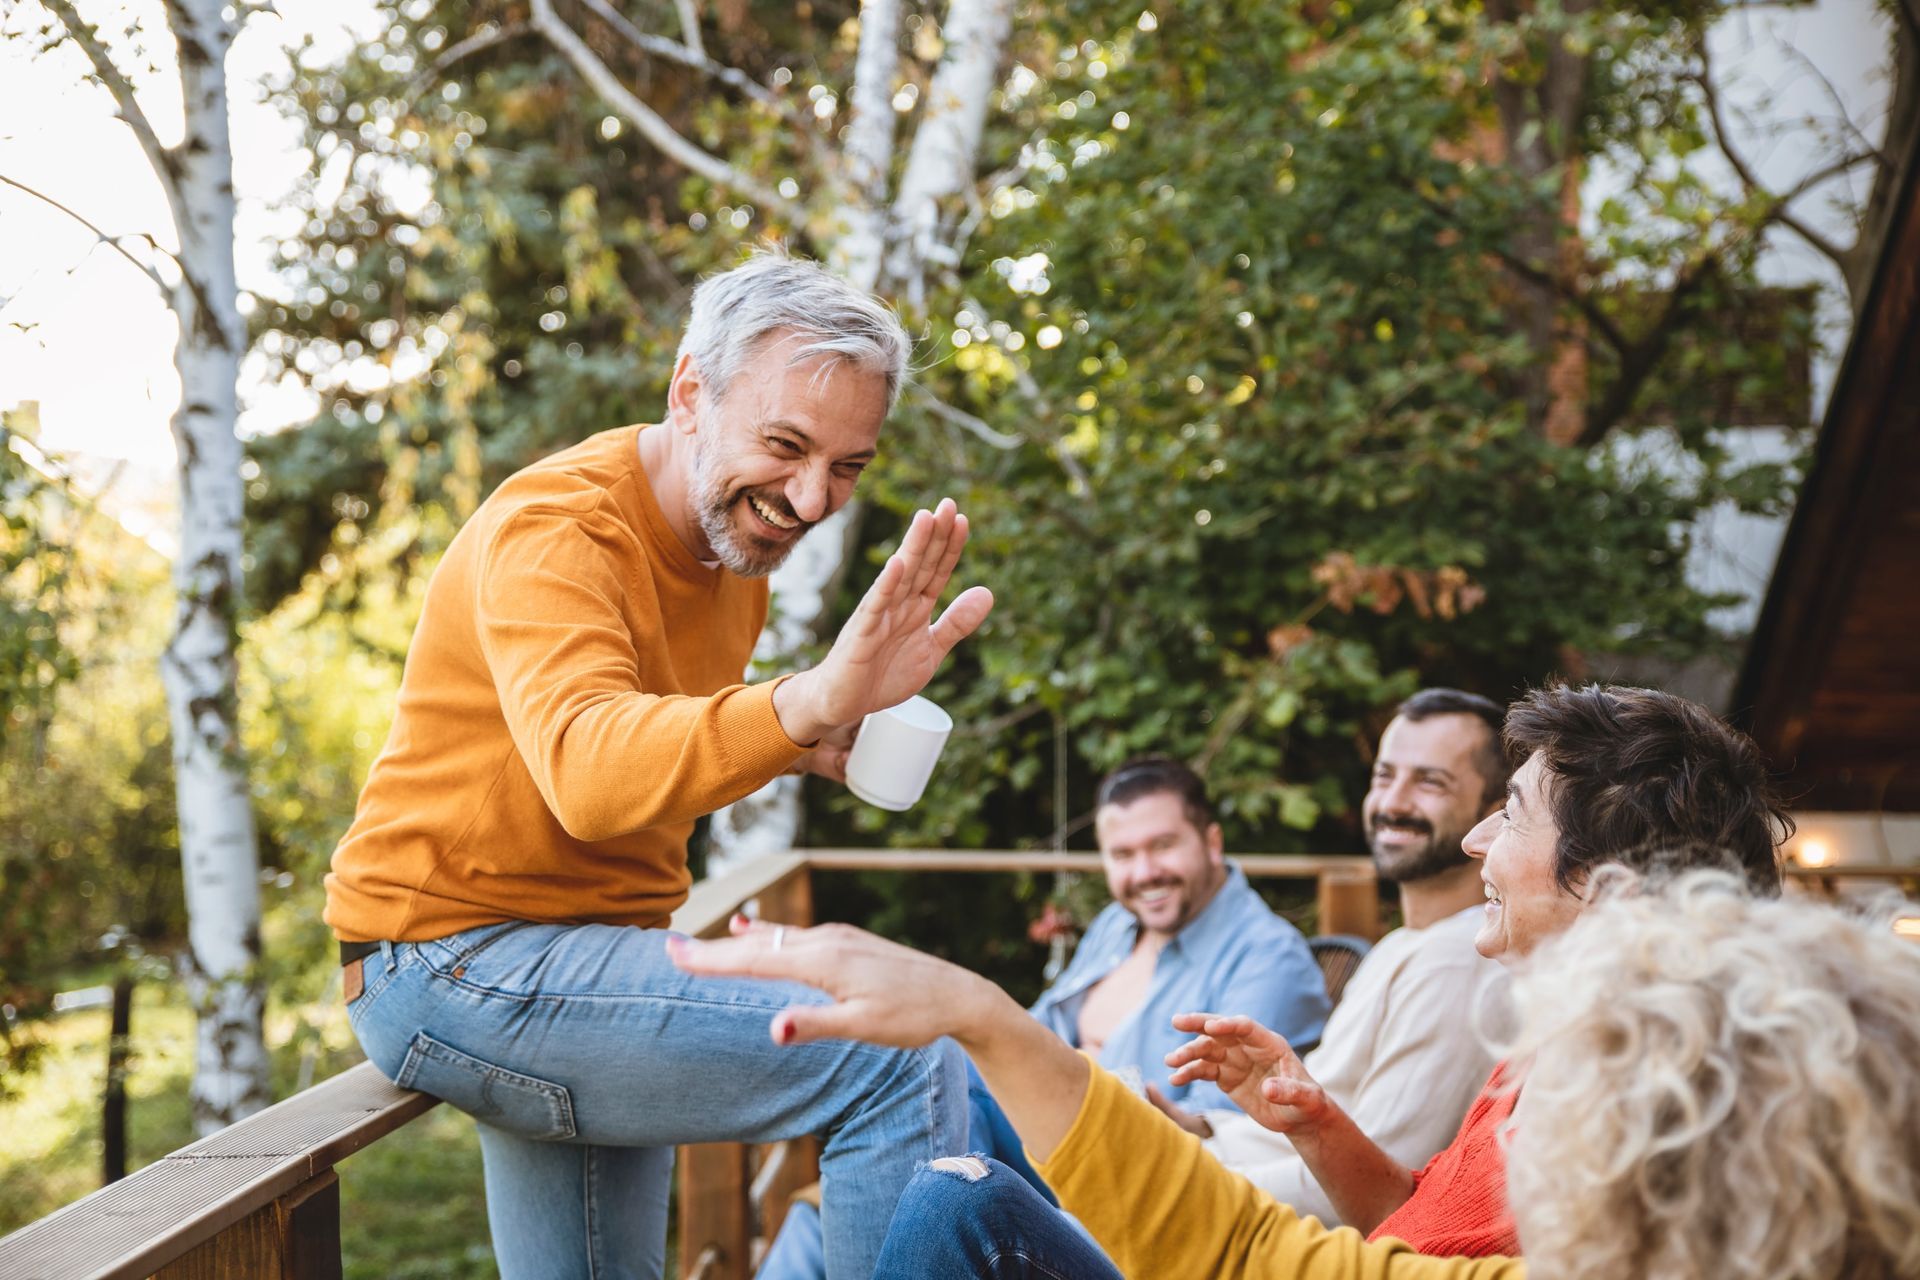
{"x":1459,"y":1202}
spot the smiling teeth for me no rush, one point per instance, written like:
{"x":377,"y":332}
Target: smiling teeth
{"x":768,"y":514}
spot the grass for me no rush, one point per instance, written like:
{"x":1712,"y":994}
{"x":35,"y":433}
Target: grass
{"x":412,"y":1205}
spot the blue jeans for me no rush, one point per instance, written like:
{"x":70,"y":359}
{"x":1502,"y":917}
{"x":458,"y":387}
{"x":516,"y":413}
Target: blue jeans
{"x":973,"y":1218}
{"x":587,"y":1057}
{"x":795,"y":1254}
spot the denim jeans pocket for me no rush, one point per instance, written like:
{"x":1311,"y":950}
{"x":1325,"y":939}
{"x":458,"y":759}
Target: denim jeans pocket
{"x":519,"y":1104}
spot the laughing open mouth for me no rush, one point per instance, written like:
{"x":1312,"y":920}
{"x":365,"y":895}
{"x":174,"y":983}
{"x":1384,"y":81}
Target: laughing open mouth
{"x":772,"y":517}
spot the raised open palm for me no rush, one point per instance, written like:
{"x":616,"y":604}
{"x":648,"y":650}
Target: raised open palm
{"x":891,"y":646}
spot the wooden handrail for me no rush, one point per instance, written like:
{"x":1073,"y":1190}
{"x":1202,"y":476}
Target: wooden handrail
{"x":185,"y":1201}
{"x":1304,"y":866}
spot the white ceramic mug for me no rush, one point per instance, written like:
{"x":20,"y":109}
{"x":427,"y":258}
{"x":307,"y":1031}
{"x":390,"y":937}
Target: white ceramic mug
{"x":895,"y":751}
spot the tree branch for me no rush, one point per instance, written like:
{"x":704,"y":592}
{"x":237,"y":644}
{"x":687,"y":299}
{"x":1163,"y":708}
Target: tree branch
{"x":1638,"y":361}
{"x":1540,"y":278}
{"x":690,"y":27}
{"x":961,"y":418}
{"x":87,"y":37}
{"x":649,"y":122}
{"x":1839,"y":104}
{"x":487,"y":37}
{"x":1778,"y":212}
{"x":941,"y":161}
{"x":694,"y":57}
{"x":110,"y":241}
{"x":867,"y":153}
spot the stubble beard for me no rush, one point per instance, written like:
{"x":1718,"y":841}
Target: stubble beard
{"x":713,"y":511}
{"x":1442,"y":852}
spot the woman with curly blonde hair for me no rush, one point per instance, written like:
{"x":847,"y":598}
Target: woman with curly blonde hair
{"x":1719,"y":1087}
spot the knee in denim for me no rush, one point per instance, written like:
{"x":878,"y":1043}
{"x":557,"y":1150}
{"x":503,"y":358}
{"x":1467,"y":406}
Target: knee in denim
{"x":969,"y":1168}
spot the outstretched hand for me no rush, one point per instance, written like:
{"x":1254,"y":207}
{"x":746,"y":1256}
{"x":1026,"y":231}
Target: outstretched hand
{"x":1252,"y":1065}
{"x":892,"y":645}
{"x":883,"y":993}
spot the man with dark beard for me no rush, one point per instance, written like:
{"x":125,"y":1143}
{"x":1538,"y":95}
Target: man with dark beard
{"x":1402,"y":1049}
{"x":572,"y":702}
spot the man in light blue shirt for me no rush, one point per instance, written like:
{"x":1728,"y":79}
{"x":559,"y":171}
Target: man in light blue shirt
{"x":1185,"y":932}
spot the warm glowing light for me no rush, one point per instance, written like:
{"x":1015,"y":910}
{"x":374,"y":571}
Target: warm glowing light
{"x":1908,"y":927}
{"x":1813,"y":853}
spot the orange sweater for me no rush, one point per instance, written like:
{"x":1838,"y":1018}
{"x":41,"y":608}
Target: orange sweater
{"x":571,"y":704}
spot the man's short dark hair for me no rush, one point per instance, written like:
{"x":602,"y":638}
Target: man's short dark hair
{"x":1152,"y":775}
{"x":1649,"y":780}
{"x":1491,"y":758}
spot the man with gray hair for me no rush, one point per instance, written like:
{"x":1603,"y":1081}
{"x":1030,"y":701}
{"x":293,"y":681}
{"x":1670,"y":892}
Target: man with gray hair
{"x":572,"y":703}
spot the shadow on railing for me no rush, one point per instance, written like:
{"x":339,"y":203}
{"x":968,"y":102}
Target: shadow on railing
{"x":261,"y":1200}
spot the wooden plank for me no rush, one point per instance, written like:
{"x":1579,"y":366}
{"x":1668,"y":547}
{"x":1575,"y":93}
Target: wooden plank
{"x":1300,"y":866}
{"x":704,"y":914}
{"x":716,"y":1220}
{"x":1853,"y":500}
{"x":297,"y":1237}
{"x":1350,"y":903}
{"x":796,"y":1162}
{"x":139,"y":1224}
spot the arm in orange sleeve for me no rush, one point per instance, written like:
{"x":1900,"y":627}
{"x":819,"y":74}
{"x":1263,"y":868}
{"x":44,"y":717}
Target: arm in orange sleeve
{"x":608,"y":756}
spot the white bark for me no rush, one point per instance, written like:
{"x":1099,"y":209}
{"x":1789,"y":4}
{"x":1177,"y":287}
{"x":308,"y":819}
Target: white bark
{"x":861,"y":249}
{"x":218,"y":850}
{"x":905,"y":240}
{"x":945,"y":148}
{"x":219,"y":857}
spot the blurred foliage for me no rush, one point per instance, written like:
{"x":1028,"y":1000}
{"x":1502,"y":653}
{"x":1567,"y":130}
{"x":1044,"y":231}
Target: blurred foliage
{"x":36,"y":562}
{"x":89,"y":850}
{"x":1227,"y":374}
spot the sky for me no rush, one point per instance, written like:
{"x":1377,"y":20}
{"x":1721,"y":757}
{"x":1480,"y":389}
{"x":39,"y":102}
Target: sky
{"x":82,"y":332}
{"x":88,"y":337}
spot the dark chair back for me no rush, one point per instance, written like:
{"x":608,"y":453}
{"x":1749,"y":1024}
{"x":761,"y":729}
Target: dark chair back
{"x":1339,"y":955}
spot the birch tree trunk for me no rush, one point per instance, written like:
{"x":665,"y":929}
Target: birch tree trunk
{"x":219,"y":856}
{"x":217,"y":846}
{"x":900,"y":239}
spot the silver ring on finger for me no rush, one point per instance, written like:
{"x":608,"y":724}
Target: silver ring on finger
{"x":779,"y":936}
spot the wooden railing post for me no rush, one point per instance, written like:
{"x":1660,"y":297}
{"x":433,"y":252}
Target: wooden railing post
{"x":297,"y":1237}
{"x":1350,"y":903}
{"x":718,"y":1188}
{"x":716,"y":1220}
{"x":786,"y":1167}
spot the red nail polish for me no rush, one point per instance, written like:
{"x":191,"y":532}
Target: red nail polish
{"x":783,"y":1032}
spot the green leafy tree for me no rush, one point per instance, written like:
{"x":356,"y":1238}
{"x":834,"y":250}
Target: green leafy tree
{"x":1265,"y":354}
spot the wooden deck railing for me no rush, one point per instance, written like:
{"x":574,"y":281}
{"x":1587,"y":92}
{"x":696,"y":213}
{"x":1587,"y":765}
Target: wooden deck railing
{"x":260,"y":1200}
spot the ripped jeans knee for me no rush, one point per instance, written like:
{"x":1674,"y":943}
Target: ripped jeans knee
{"x":972,"y":1168}
{"x":972,"y":1216}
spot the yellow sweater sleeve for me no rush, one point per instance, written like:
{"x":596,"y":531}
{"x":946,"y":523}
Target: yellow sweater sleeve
{"x":607,"y":756}
{"x":1161,"y":1206}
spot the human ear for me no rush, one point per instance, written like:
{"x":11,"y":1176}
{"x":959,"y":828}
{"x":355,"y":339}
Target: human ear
{"x":685,"y":395}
